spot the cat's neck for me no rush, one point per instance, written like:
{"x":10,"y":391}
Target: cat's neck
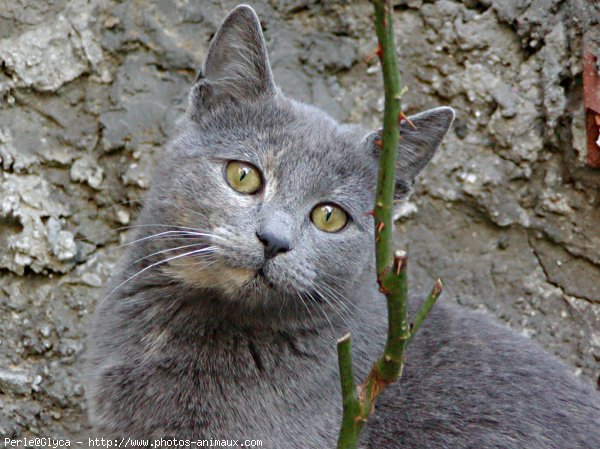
{"x":221,"y":315}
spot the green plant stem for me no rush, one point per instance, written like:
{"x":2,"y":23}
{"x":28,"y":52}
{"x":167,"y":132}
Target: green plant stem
{"x":358,"y":402}
{"x":391,"y":267}
{"x":349,"y":397}
{"x":386,"y":179}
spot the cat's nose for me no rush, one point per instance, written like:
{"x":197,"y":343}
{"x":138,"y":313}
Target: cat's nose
{"x":274,"y":244}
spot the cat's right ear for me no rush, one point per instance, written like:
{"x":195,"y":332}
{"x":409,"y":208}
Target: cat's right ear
{"x":420,"y":138}
{"x":236,"y":66}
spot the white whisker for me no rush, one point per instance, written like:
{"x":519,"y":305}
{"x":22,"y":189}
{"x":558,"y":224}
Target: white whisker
{"x":169,"y":233}
{"x":157,"y":225}
{"x":307,"y":309}
{"x":344,"y":303}
{"x":322,"y":311}
{"x":164,"y":251}
{"x":331,"y":303}
{"x":209,"y":248}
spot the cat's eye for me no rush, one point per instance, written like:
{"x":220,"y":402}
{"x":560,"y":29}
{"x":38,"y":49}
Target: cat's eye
{"x":243,"y":177}
{"x":329,"y":217}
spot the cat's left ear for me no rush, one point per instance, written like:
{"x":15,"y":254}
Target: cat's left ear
{"x":236,"y":66}
{"x":416,"y":145}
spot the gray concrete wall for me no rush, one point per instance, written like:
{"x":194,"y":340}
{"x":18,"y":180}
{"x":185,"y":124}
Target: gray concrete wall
{"x":507,"y":214}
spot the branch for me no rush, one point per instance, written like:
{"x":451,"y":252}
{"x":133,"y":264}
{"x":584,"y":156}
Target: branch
{"x":358,"y":402}
{"x":436,"y":291}
{"x":349,"y":397}
{"x":386,"y":179}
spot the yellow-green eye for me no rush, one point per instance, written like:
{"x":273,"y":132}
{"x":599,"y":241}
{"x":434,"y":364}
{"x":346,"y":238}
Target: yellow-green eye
{"x":329,"y":217}
{"x":243,"y":177}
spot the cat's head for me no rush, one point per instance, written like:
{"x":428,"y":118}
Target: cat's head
{"x":282,"y":191}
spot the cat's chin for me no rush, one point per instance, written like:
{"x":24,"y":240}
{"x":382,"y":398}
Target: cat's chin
{"x":259,"y":282}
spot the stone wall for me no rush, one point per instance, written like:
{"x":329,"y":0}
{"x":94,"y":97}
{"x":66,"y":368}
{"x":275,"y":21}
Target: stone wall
{"x":507,"y":214}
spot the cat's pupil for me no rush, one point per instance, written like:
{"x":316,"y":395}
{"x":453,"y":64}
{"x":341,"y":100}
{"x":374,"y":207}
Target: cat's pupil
{"x":328,"y":214}
{"x":244,"y":173}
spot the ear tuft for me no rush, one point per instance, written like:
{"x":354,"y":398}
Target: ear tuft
{"x":237,"y":65}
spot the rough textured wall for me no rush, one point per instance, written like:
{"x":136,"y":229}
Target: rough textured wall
{"x":507,"y":214}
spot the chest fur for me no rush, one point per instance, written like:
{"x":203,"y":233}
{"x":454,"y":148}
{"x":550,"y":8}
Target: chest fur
{"x":204,"y":383}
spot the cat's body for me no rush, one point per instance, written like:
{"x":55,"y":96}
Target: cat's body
{"x":468,"y":383}
{"x":230,"y":333}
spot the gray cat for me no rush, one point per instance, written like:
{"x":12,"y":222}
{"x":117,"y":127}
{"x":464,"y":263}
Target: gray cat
{"x":255,"y":252}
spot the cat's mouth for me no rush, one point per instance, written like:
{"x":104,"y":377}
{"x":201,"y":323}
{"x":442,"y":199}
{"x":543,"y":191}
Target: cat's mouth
{"x":261,"y":276}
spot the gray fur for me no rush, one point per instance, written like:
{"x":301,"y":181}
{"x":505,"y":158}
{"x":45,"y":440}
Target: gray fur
{"x":237,"y":64}
{"x":201,"y":346}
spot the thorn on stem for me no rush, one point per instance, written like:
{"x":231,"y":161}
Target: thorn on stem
{"x":377,"y":52}
{"x":402,"y":116}
{"x":380,"y":227}
{"x":400,"y":261}
{"x":379,"y":143}
{"x":370,"y":213}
